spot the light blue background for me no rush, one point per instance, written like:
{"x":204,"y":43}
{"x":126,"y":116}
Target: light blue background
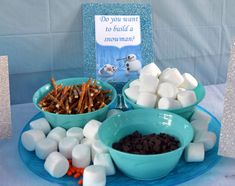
{"x":44,"y":38}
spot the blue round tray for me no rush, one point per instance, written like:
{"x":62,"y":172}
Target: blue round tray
{"x":182,"y":173}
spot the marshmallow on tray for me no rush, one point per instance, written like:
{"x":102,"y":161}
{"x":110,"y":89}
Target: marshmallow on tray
{"x":132,"y":93}
{"x":56,"y":165}
{"x":66,"y":146}
{"x":81,"y":156}
{"x":91,"y":129}
{"x":146,"y":99}
{"x":189,"y":82}
{"x":104,"y":159}
{"x":87,"y":141}
{"x":207,"y":138}
{"x":135,"y":82}
{"x":113,"y":112}
{"x":194,"y":152}
{"x":151,"y":69}
{"x":173,"y":76}
{"x":97,"y":147}
{"x":94,"y":175}
{"x":167,"y":90}
{"x":31,"y":137}
{"x":148,"y":83}
{"x":45,"y":147}
{"x":76,"y":132}
{"x":200,"y":115}
{"x":187,"y":98}
{"x":41,"y":124}
{"x":199,"y":125}
{"x":57,"y":134}
{"x":168,"y":103}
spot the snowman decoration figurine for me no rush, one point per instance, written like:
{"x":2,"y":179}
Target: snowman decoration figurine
{"x":107,"y":70}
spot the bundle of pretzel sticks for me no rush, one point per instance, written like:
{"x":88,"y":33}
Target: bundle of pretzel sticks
{"x":75,"y":99}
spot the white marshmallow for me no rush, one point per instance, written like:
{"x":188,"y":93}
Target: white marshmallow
{"x":66,"y":146}
{"x":199,"y":125}
{"x":132,"y":93}
{"x":135,"y":82}
{"x":207,"y":138}
{"x":81,"y":155}
{"x":57,"y":134}
{"x":45,"y":147}
{"x":173,"y":76}
{"x":194,"y":152}
{"x":31,"y":137}
{"x":91,"y":129}
{"x":189,"y":82}
{"x":87,"y":141}
{"x":151,"y":69}
{"x":187,"y":98}
{"x":167,"y":90}
{"x":56,"y":165}
{"x":168,"y":103}
{"x":148,"y":83}
{"x":200,"y":115}
{"x":113,"y":112}
{"x":104,"y":159}
{"x":97,"y":147}
{"x":41,"y":124}
{"x":181,"y":89}
{"x":76,"y":132}
{"x":147,"y":99}
{"x":94,"y":175}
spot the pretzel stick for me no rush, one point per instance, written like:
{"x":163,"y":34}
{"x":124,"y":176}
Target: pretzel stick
{"x":81,"y":97}
{"x":53,"y":82}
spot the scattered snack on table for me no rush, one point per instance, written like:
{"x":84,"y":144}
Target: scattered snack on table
{"x":66,"y":146}
{"x":56,"y":165}
{"x":113,"y":112}
{"x":75,"y":99}
{"x":194,"y":152}
{"x":96,"y":148}
{"x":199,"y":126}
{"x":41,"y":124}
{"x":76,"y":132}
{"x":75,"y":172}
{"x":207,"y":138}
{"x":104,"y":159}
{"x":31,"y":137}
{"x":57,"y":134}
{"x":137,"y":143}
{"x":90,"y":130}
{"x":81,"y":155}
{"x":94,"y":175}
{"x":45,"y":147}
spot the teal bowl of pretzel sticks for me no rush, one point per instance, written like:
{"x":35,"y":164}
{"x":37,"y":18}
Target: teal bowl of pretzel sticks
{"x":74,"y":120}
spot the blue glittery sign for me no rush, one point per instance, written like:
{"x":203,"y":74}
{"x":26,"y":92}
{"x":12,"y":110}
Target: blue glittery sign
{"x":114,"y":49}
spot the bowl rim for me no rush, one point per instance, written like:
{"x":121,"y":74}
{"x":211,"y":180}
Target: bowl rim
{"x":171,"y":110}
{"x":114,"y":92}
{"x":181,"y":148}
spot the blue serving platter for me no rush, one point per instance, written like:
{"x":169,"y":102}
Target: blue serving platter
{"x":182,"y":173}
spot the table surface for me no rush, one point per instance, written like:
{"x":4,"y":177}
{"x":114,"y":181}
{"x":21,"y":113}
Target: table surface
{"x":14,"y":172}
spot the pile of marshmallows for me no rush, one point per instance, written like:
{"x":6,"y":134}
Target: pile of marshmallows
{"x":56,"y":146}
{"x":168,"y":89}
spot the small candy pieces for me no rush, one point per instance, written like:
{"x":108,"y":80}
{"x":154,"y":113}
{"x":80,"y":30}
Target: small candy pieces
{"x":45,"y":147}
{"x":168,"y":103}
{"x":66,"y":146}
{"x":146,"y":99}
{"x":194,"y":152}
{"x":113,"y":112}
{"x":81,"y":155}
{"x":189,"y":82}
{"x":104,"y":159}
{"x":57,"y":134}
{"x":75,"y":172}
{"x":150,"y":69}
{"x":76,"y":132}
{"x":132,"y":93}
{"x":97,"y":147}
{"x":94,"y":175}
{"x":31,"y":137}
{"x":206,"y":138}
{"x":187,"y":98}
{"x":91,"y":129}
{"x":41,"y":124}
{"x":56,"y":165}
{"x":167,"y":90}
{"x":148,"y":83}
{"x":173,"y":76}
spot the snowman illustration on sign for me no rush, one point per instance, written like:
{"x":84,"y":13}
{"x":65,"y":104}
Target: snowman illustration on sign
{"x":131,"y":63}
{"x":107,"y":70}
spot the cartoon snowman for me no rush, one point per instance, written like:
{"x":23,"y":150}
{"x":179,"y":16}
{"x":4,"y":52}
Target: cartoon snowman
{"x":107,"y":70}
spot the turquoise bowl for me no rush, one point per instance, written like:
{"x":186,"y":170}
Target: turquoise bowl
{"x":146,"y":121}
{"x":74,"y":120}
{"x":185,"y":112}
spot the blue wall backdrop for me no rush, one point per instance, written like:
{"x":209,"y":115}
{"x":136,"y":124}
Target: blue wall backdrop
{"x":44,"y":38}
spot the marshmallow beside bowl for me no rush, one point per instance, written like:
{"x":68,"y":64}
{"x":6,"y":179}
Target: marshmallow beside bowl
{"x":73,"y":120}
{"x":146,"y":121}
{"x":185,"y":112}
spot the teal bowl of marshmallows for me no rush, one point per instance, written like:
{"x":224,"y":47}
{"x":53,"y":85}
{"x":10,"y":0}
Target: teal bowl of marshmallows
{"x":145,"y":121}
{"x":74,"y":120}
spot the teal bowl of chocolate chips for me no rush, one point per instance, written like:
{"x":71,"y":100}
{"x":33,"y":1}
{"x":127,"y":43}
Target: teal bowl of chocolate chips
{"x":145,"y":121}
